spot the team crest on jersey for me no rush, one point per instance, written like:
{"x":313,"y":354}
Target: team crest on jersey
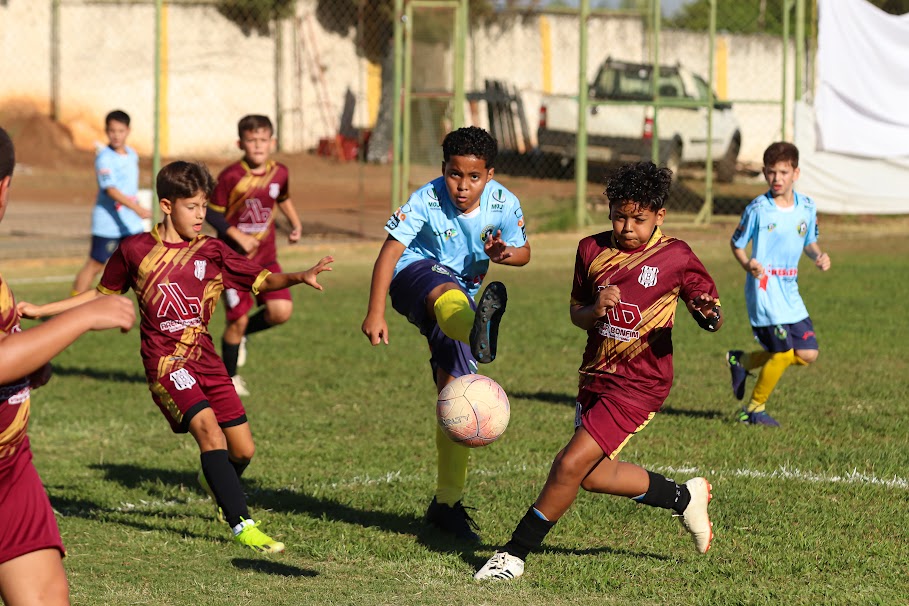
{"x":498,"y":195}
{"x":199,"y":270}
{"x":441,"y":269}
{"x":433,"y":195}
{"x":648,"y":276}
{"x":182,"y":379}
{"x":803,"y":228}
{"x":274,"y":190}
{"x":771,"y":227}
{"x":487,"y":231}
{"x":780,"y":332}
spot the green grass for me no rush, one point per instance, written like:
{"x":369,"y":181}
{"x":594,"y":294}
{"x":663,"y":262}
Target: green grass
{"x":813,"y":512}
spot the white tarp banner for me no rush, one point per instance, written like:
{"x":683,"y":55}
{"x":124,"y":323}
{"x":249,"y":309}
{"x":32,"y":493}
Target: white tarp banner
{"x":862,"y":98}
{"x":851,"y":185}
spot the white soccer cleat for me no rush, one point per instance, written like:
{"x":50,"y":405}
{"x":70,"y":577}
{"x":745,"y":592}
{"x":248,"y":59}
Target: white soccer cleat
{"x":241,"y":353}
{"x":695,"y":518}
{"x":240,"y":385}
{"x":501,"y":566}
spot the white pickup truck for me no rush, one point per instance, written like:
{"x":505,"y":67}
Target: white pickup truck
{"x":624,"y":133}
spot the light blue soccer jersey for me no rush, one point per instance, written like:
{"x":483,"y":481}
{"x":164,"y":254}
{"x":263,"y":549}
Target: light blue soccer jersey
{"x":432,"y":227}
{"x":778,"y":238}
{"x":110,"y":219}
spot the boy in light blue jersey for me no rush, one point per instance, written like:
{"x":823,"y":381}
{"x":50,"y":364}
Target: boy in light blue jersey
{"x":780,"y":225}
{"x":433,"y":262}
{"x":117,"y":213}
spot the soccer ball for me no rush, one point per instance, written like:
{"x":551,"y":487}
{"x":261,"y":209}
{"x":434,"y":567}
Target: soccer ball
{"x":473,"y":410}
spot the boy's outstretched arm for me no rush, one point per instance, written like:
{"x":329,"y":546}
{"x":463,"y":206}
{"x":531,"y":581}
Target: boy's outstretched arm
{"x":499,"y":252}
{"x":286,"y":280}
{"x":821,"y":260}
{"x":25,"y":352}
{"x":130,"y":202}
{"x":374,"y":326}
{"x":33,"y":312}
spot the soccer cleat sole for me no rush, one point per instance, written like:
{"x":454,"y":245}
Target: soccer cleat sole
{"x":484,"y":335}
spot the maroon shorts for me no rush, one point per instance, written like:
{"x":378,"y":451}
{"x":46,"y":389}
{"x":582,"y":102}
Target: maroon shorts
{"x":609,"y":423}
{"x":27,"y":523}
{"x":237,"y":303}
{"x":181,"y":394}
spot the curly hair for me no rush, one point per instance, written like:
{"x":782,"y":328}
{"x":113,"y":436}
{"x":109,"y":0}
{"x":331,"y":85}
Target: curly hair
{"x":470,"y":141}
{"x":643,"y":183}
{"x":181,"y":180}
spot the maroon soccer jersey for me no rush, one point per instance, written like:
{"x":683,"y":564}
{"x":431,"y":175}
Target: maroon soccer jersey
{"x":248,"y":200}
{"x":629,"y":352}
{"x":14,"y":404}
{"x":178,"y":286}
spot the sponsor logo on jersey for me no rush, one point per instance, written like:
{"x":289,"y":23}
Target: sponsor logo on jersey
{"x":434,"y":205}
{"x":174,"y":302}
{"x":182,"y":379}
{"x":621,"y":323}
{"x":433,"y":194}
{"x":498,"y":195}
{"x":15,"y":394}
{"x":496,"y":207}
{"x":398,"y":216}
{"x":254,"y":219}
{"x":274,"y":190}
{"x":738,"y":232}
{"x":803,"y":228}
{"x":199,"y":270}
{"x":448,"y":234}
{"x":648,"y":276}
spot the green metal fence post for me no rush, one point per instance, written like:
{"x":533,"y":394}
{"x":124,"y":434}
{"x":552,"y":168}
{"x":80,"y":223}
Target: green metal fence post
{"x":706,"y":212}
{"x":396,"y":187}
{"x":580,"y":158}
{"x":787,"y":6}
{"x":799,"y":47}
{"x":156,"y":144}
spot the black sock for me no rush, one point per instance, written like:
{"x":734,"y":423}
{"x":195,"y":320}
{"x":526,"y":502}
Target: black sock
{"x":665,"y":493}
{"x":257,"y":322}
{"x":240,"y":467}
{"x":229,"y":354}
{"x":224,"y":483}
{"x":529,"y":535}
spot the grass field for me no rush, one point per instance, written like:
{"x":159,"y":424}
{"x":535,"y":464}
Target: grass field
{"x":814,"y":512}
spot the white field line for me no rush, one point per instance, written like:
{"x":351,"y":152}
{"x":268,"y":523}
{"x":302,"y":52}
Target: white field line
{"x":781,"y":473}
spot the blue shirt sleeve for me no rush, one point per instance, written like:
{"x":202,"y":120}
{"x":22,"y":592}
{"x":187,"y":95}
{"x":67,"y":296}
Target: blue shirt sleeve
{"x":811,"y":233}
{"x":104,"y":171}
{"x":745,"y":230}
{"x":407,"y":221}
{"x":514,"y":232}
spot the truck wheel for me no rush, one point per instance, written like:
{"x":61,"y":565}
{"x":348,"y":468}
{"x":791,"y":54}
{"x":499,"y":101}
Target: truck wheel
{"x":725,"y":167}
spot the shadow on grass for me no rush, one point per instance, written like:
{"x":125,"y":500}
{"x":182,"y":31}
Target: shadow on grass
{"x":697,"y":414}
{"x":274,"y":568}
{"x":118,"y":376}
{"x":549,"y":397}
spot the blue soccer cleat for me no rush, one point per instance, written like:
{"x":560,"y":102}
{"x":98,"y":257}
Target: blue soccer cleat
{"x":738,"y":372}
{"x":757,"y":418}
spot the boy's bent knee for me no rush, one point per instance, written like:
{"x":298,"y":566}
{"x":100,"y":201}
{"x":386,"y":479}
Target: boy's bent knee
{"x":805,"y":357}
{"x":279,"y":315}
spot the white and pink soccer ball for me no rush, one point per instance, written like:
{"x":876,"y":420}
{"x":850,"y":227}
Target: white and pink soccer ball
{"x":473,"y":410}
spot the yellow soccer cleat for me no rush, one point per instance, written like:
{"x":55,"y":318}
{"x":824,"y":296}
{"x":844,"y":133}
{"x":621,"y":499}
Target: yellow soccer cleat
{"x":250,"y":536}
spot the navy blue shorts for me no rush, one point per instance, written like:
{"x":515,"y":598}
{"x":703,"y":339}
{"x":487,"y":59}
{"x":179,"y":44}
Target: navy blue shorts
{"x":103,"y":248}
{"x":408,"y":291}
{"x":784,"y":337}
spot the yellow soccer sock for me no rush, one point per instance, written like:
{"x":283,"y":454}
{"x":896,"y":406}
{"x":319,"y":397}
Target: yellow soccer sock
{"x":452,"y":469}
{"x":755,"y":359}
{"x":454,"y":315}
{"x":771,"y":372}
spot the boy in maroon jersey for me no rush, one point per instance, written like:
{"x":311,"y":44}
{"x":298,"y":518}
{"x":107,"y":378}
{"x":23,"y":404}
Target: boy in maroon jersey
{"x":31,"y":551}
{"x":242,"y":210}
{"x":178,"y":275}
{"x":626,"y":285}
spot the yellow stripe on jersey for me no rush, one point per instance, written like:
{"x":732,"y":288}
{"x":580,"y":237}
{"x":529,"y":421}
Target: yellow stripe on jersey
{"x":612,"y":455}
{"x":167,"y":401}
{"x":248,"y":182}
{"x":14,"y":433}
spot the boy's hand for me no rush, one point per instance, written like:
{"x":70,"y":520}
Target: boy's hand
{"x":28,"y":310}
{"x":375,"y":328}
{"x":40,"y":377}
{"x":822,"y":262}
{"x":495,"y":247}
{"x":607,"y":298}
{"x":143,"y":212}
{"x":755,"y":268}
{"x":294,"y":236}
{"x":113,"y":311}
{"x":310,"y":275}
{"x":704,"y":304}
{"x":248,"y":243}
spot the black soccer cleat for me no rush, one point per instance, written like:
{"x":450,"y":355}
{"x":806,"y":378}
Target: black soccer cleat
{"x":484,"y":335}
{"x":453,"y":519}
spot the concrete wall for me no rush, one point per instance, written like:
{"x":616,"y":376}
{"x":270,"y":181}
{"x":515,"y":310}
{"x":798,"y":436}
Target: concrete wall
{"x":215,"y":73}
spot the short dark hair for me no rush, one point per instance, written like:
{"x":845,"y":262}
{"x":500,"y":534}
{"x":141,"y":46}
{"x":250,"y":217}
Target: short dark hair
{"x":118,"y":115}
{"x":643,"y":183}
{"x":253,"y":122}
{"x":180,"y":180}
{"x":470,"y":141}
{"x":7,"y":155}
{"x":781,"y":151}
